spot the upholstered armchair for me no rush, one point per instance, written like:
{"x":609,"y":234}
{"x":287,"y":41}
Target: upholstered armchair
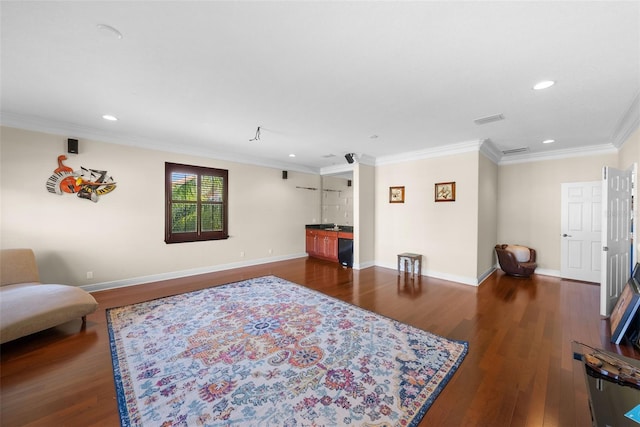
{"x":516,"y":260}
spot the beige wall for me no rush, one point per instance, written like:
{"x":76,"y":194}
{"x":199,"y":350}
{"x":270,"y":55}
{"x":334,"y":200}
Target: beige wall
{"x":364,"y":215}
{"x":487,"y":215}
{"x":529,"y":202}
{"x":630,"y":151}
{"x":445,"y":233}
{"x":121,"y":237}
{"x":337,"y":201}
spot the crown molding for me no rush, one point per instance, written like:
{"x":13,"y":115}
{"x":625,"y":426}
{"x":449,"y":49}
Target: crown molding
{"x":72,"y":130}
{"x":489,"y":149}
{"x":336,"y":169}
{"x":447,"y":150}
{"x":366,"y":159}
{"x":559,"y":154}
{"x":361,"y":158}
{"x":628,"y":124}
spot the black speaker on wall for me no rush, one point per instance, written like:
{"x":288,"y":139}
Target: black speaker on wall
{"x":72,"y":146}
{"x":349,"y":157}
{"x":285,"y":175}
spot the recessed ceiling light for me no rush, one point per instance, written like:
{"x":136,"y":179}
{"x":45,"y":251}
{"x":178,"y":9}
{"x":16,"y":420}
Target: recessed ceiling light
{"x":110,"y":117}
{"x":544,"y":84}
{"x":548,"y":141}
{"x":292,"y":155}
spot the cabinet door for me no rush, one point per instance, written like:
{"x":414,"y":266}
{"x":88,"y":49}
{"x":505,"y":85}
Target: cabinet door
{"x":331,"y":246}
{"x":311,"y":240}
{"x":322,"y":244}
{"x":321,"y":239}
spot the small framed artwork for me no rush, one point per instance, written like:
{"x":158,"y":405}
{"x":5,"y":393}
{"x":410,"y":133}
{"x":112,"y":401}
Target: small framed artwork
{"x":624,"y":311}
{"x":445,"y":192}
{"x":396,"y":194}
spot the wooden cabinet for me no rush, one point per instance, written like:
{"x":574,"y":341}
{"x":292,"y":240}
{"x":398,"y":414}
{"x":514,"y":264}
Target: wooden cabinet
{"x":312,"y":242}
{"x":329,"y":246}
{"x":324,"y":243}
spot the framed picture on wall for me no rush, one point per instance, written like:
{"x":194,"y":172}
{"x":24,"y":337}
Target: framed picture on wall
{"x":446,"y":192}
{"x":396,"y":194}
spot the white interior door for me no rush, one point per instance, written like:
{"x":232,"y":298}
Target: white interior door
{"x":581,"y":230}
{"x":617,"y":250}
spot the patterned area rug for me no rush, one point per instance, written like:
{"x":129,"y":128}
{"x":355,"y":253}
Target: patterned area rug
{"x":269,"y":352}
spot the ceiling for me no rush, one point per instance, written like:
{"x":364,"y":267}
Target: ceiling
{"x":321,"y":79}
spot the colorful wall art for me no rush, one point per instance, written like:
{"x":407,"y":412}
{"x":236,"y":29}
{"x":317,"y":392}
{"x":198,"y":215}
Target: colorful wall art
{"x":86,"y":183}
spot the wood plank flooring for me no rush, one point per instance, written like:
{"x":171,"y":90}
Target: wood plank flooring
{"x":519,"y":370}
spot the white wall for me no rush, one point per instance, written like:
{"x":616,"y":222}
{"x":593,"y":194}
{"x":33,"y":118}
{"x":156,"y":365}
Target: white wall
{"x":445,"y":233}
{"x":121,"y":237}
{"x":529,"y":201}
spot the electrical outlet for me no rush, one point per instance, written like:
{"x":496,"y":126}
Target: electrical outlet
{"x":89,"y":274}
{"x":241,"y":254}
{"x":270,"y":251}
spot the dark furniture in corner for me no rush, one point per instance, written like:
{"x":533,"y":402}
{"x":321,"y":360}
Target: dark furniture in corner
{"x":509,"y":263}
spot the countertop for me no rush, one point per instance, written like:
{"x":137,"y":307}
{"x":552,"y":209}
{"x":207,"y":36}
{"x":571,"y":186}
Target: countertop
{"x":330,"y":227}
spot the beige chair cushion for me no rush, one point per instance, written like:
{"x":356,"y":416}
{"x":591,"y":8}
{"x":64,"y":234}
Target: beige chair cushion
{"x":521,"y":253}
{"x":26,"y":308}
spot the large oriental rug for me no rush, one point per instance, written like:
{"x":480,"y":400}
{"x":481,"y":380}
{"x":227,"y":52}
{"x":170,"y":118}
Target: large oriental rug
{"x":268,"y":352}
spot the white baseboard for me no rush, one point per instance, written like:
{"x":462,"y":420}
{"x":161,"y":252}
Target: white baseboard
{"x":472,"y":281}
{"x":364,"y":265}
{"x":184,"y":273}
{"x":547,"y":272}
{"x":542,"y":271}
{"x":485,"y":275}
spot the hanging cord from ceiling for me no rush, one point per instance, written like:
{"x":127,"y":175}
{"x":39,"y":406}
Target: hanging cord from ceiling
{"x":257,"y":137}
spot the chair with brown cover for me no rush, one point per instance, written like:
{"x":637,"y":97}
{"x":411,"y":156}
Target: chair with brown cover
{"x":516,"y":260}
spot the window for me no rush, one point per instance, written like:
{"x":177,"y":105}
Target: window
{"x":196,"y":203}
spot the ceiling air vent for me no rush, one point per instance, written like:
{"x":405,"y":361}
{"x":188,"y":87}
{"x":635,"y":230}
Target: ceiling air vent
{"x":488,"y":119}
{"x":328,"y":156}
{"x":515,"y":151}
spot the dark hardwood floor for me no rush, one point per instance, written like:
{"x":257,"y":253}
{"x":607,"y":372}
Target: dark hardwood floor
{"x":519,"y":370}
